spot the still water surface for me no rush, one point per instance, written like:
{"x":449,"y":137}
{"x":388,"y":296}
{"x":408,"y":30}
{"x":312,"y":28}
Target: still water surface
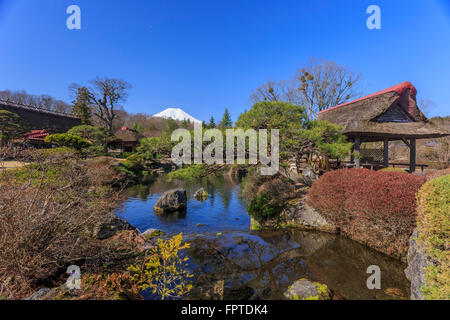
{"x":225,"y":209}
{"x":259,"y":265}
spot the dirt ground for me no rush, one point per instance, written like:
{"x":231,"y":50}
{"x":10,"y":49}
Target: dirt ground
{"x":12,"y":164}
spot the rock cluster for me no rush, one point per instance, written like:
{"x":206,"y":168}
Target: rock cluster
{"x":298,"y":214}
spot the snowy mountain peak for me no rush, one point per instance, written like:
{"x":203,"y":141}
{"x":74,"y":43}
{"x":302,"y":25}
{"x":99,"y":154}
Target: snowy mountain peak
{"x":176,"y":114}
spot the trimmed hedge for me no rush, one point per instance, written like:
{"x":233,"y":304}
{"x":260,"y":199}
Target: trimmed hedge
{"x":433,"y":225}
{"x":372,"y":207}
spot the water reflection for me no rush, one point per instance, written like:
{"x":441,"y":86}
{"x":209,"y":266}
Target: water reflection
{"x":262,"y":265}
{"x":223,"y":210}
{"x":259,"y":265}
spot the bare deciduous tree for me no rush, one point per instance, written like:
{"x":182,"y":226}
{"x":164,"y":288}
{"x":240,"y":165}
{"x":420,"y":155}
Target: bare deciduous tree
{"x":317,"y":87}
{"x":426,"y":105}
{"x":268,"y":91}
{"x":43,"y":101}
{"x":106,"y":96}
{"x":326,"y":84}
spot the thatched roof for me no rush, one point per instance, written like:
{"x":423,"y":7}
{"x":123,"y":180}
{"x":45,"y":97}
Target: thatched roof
{"x":389,"y":114}
{"x":128,"y":135}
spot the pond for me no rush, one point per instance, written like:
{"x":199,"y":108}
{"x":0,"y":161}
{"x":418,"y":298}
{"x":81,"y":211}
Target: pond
{"x":225,"y":208}
{"x":259,"y":264}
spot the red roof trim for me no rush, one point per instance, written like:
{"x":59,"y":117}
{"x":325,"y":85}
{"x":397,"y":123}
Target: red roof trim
{"x":38,"y":135}
{"x":399,"y":88}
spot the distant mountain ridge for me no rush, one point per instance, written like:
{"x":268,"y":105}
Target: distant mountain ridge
{"x":176,"y":114}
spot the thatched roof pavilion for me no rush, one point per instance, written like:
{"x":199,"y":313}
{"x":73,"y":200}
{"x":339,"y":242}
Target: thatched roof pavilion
{"x":127,"y":139}
{"x":391,"y":114}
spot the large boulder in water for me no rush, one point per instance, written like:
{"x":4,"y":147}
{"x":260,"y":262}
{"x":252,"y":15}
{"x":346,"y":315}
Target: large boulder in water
{"x":172,"y":200}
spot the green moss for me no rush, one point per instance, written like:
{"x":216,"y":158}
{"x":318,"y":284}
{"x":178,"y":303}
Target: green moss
{"x":322,"y":289}
{"x":323,"y":293}
{"x":189,"y":173}
{"x":313,"y":298}
{"x":433,"y":224}
{"x":263,"y":208}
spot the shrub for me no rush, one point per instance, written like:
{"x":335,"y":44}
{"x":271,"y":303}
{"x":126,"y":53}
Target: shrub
{"x":328,"y":139}
{"x":288,"y":118}
{"x":46,"y":212}
{"x":433,"y":225}
{"x":15,"y":153}
{"x":154,"y":148}
{"x":374,"y":208}
{"x":263,"y":207}
{"x":68,"y":140}
{"x":94,"y":134}
{"x":165,"y":270}
{"x":279,"y":188}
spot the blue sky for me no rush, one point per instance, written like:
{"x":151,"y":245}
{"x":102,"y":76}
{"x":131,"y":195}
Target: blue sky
{"x":204,"y":56}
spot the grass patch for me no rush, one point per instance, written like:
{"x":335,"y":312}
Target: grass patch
{"x":189,"y":173}
{"x":433,"y":224}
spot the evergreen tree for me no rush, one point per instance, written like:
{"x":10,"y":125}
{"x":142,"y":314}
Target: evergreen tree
{"x":226,"y":120}
{"x":212,"y":123}
{"x":138,"y":128}
{"x":171,"y":125}
{"x":81,"y":106}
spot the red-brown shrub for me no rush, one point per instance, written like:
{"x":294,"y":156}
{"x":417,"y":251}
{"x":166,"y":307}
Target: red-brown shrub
{"x":374,"y":208}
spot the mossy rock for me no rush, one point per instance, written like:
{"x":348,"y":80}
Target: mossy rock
{"x":152,"y":233}
{"x":304,"y":289}
{"x":201,"y":194}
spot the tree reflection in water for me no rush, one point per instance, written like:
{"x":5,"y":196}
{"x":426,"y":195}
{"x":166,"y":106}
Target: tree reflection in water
{"x":268,"y":262}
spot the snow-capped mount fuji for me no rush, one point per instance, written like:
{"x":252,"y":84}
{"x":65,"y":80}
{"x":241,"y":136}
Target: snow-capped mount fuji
{"x":176,"y":114}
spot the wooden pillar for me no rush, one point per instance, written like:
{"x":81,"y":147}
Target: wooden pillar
{"x":386,"y":153}
{"x":352,"y":158}
{"x":357,"y":158}
{"x":412,"y":155}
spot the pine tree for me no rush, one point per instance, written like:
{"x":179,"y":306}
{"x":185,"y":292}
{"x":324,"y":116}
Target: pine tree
{"x":212,"y":123}
{"x":226,"y":120}
{"x":81,"y":108}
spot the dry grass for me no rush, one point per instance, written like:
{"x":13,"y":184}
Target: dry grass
{"x":46,"y":210}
